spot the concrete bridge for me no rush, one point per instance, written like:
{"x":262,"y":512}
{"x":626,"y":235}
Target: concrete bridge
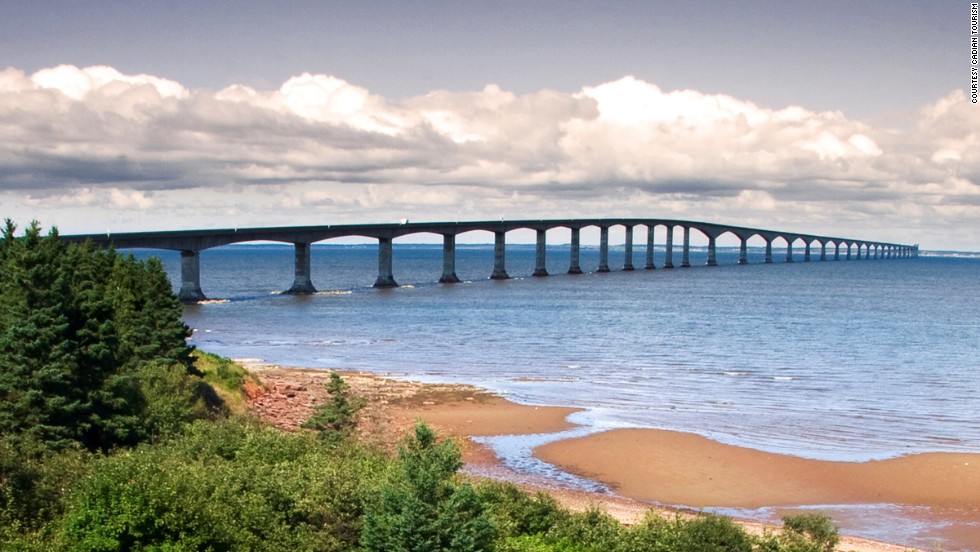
{"x":191,"y":242}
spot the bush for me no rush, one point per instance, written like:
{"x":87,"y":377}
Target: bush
{"x":713,"y":533}
{"x":33,"y":483}
{"x":809,"y":533}
{"x":656,"y":534}
{"x":589,"y":531}
{"x":420,"y":508}
{"x":515,"y":512}
{"x":336,"y":419}
{"x":222,"y":486}
{"x":171,"y":399}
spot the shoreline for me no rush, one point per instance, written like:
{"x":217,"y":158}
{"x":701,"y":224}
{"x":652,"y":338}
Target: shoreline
{"x":610,"y":457}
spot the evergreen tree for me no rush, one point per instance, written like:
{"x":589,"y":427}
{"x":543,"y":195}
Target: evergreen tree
{"x":336,"y":419}
{"x":39,"y":383}
{"x":79,"y":330}
{"x":421,"y":508}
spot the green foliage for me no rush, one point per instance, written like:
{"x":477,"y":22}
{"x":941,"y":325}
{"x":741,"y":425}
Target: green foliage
{"x":171,"y":398}
{"x":336,"y":419}
{"x":227,"y":380}
{"x":589,"y":531}
{"x":33,"y":484}
{"x":809,"y":533}
{"x":656,"y":534}
{"x":420,"y":508}
{"x":222,"y":486}
{"x":515,"y":512}
{"x":525,"y":543}
{"x":220,"y":372}
{"x":712,"y":533}
{"x":84,"y":337}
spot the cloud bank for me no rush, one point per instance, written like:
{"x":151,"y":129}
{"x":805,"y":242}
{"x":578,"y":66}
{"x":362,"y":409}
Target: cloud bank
{"x":79,"y":145}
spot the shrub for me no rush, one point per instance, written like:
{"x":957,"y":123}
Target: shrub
{"x":515,"y":512}
{"x":222,"y":486}
{"x":336,"y":419}
{"x":33,"y":483}
{"x":171,"y":399}
{"x":713,"y":533}
{"x":809,"y":533}
{"x":589,"y":531}
{"x":420,"y":508}
{"x":656,"y":534}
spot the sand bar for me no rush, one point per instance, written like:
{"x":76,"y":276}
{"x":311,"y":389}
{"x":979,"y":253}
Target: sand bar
{"x":681,"y":468}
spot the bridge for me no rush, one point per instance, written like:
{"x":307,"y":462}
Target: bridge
{"x":190,"y":243}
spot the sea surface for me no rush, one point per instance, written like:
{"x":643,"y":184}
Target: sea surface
{"x":847,"y":360}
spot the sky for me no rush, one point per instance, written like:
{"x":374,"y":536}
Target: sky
{"x":844,"y":118}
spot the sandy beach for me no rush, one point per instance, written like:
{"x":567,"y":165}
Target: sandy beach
{"x":641,"y":466}
{"x":680,"y":468}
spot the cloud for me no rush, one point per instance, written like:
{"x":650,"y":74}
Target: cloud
{"x":81,"y":137}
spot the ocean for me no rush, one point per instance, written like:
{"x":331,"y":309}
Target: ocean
{"x":847,"y":360}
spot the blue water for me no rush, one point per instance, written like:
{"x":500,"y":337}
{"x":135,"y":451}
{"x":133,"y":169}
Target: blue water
{"x":835,"y":360}
{"x":832,"y":360}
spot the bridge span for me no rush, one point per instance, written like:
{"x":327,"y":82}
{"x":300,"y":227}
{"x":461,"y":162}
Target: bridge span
{"x":191,"y":242}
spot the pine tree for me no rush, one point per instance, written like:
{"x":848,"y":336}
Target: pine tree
{"x":336,"y":419}
{"x":79,"y":328}
{"x":421,"y":508}
{"x":39,"y":390}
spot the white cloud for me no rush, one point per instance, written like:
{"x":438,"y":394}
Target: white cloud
{"x":77,"y":138}
{"x":129,"y":199}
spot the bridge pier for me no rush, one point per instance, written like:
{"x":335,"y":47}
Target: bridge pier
{"x":385,"y":278}
{"x":190,"y":277}
{"x":649,"y":264}
{"x":686,"y":254}
{"x":603,"y":249}
{"x":806,"y":253}
{"x":302,"y":284}
{"x":789,"y":250}
{"x":628,"y":250}
{"x":669,"y":254}
{"x":573,"y":253}
{"x":848,"y":256}
{"x":768,"y":251}
{"x":743,"y":252}
{"x":499,"y":256}
{"x":448,"y":260}
{"x":711,"y":252}
{"x":823,"y":251}
{"x":541,"y":254}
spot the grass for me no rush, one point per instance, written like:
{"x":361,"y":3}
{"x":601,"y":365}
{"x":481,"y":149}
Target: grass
{"x":227,"y":378}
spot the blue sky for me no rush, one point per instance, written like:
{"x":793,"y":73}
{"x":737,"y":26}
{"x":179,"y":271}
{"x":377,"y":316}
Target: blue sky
{"x":832,"y":117}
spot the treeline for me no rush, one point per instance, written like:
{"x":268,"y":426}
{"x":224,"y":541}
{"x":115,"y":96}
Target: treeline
{"x":93,"y":351}
{"x":115,"y":435}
